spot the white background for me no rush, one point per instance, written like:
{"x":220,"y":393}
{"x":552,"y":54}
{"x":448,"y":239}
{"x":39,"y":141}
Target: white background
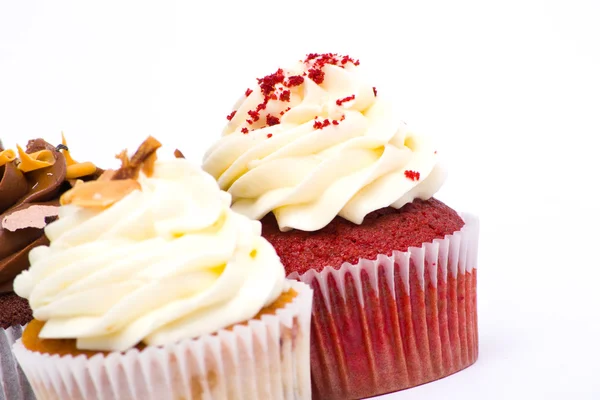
{"x":510,"y":91}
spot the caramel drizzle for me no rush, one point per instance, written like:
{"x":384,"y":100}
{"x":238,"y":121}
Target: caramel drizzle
{"x":33,"y":161}
{"x":28,"y":162}
{"x":75,"y":169}
{"x":7,"y":156}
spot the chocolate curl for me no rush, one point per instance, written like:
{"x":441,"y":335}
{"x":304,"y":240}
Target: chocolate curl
{"x":146,"y":153}
{"x":178,"y":154}
{"x":13,"y":186}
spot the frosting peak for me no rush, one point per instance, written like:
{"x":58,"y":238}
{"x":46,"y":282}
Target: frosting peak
{"x":314,"y":141}
{"x":168,"y":261}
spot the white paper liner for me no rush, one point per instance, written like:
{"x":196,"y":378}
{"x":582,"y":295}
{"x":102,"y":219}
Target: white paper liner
{"x":14,"y":384}
{"x":455,"y":252}
{"x":266,"y":359}
{"x":417,"y":321}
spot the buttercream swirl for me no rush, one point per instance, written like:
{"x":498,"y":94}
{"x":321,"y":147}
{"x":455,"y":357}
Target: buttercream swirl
{"x":315,"y":141}
{"x":168,"y":262}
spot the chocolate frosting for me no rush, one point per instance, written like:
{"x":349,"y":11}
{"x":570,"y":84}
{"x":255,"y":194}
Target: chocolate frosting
{"x":19,"y":191}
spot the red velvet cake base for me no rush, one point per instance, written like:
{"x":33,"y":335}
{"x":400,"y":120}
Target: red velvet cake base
{"x":14,"y":310}
{"x":400,"y":320}
{"x":382,"y":232}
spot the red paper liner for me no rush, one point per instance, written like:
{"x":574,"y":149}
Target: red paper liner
{"x":395,"y":322}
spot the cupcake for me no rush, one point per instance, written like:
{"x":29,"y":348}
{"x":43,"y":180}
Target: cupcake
{"x":153,"y":288}
{"x":344,"y":190}
{"x":31,"y":182}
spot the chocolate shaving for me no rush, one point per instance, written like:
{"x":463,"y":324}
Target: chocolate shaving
{"x":107,"y":175}
{"x":30,"y":216}
{"x":130,"y":168}
{"x":148,"y":165}
{"x":99,"y":194}
{"x":112,"y":186}
{"x":178,"y":154}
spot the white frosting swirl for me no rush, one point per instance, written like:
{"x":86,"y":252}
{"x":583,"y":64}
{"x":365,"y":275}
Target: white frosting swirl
{"x":166,"y":263}
{"x":306,"y":175}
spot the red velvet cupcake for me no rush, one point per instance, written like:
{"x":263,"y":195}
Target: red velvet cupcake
{"x":345,"y":193}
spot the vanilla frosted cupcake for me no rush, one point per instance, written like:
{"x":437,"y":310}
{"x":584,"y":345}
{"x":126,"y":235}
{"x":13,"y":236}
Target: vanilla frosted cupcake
{"x":153,"y":288}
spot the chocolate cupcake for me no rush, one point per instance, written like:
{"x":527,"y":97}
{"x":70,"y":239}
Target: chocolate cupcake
{"x":345,"y":193}
{"x":153,"y":288}
{"x":31,"y":182}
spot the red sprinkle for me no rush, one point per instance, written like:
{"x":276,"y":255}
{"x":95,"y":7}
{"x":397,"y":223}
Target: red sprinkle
{"x":339,"y":102}
{"x":412,"y":175}
{"x":285,"y":95}
{"x":295,"y":80}
{"x":269,"y":135}
{"x":311,"y":56}
{"x":254,"y":115}
{"x":329,"y":58}
{"x":317,"y":75}
{"x":375,"y":91}
{"x":267,"y":84}
{"x":335,"y":122}
{"x":318,"y":61}
{"x":271,"y":91}
{"x":244,"y":130}
{"x":271,"y":120}
{"x":284,"y":111}
{"x":321,"y":124}
{"x":230,"y":116}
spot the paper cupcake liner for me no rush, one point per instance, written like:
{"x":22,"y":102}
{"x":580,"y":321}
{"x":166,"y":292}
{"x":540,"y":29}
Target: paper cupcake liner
{"x":395,"y":322}
{"x":14,"y":384}
{"x":268,"y":358}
